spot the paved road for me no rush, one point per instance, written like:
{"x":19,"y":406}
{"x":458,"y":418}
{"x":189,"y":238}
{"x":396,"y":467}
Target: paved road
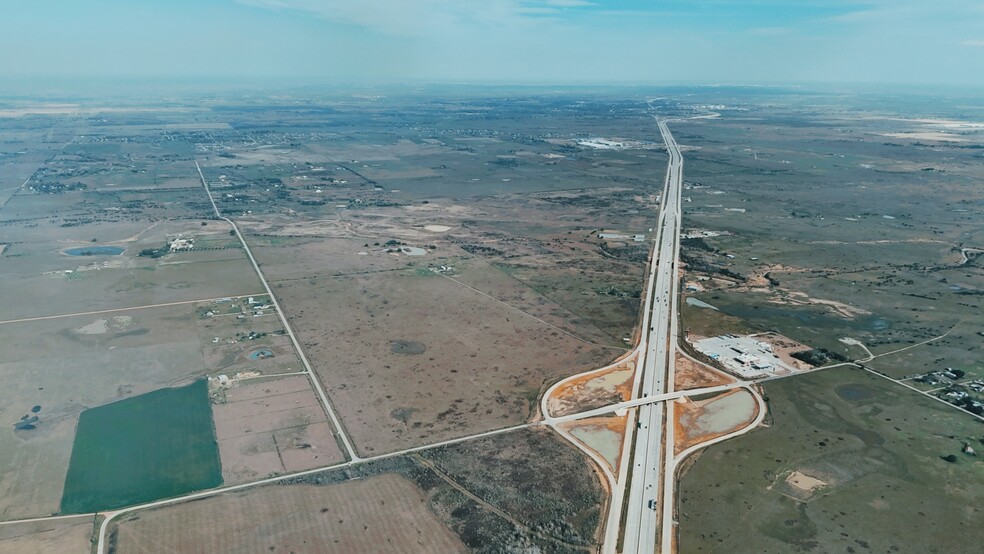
{"x":652,"y":437}
{"x":642,"y":401}
{"x":112,"y":515}
{"x":349,"y":449}
{"x":669,"y":440}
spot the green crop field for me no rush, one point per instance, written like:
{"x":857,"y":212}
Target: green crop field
{"x":156,"y":445}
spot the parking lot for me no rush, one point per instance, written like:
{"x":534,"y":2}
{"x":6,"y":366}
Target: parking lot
{"x":750,"y":356}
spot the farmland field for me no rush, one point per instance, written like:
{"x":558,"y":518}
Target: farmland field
{"x":271,"y":426}
{"x":69,"y":364}
{"x":151,"y":446}
{"x":519,"y":491}
{"x":385,"y":514}
{"x":444,"y":258}
{"x":42,"y":537}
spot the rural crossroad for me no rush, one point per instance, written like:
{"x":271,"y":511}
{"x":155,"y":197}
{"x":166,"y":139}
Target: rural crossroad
{"x":650,"y":507}
{"x":649,"y":518}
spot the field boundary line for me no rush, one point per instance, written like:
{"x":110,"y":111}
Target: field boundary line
{"x":113,"y":514}
{"x":48,"y":518}
{"x":128,"y":309}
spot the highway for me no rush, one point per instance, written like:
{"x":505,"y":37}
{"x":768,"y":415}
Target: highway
{"x":653,"y":439}
{"x":649,"y":525}
{"x":655,"y":310}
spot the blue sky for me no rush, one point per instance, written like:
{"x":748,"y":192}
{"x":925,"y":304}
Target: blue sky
{"x":507,"y":41}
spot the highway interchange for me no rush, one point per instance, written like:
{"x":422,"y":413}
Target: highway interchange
{"x":646,"y":492}
{"x":652,"y":481}
{"x":653,"y":390}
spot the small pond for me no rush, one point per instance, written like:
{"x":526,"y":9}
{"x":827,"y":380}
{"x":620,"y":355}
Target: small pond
{"x":95,"y":251}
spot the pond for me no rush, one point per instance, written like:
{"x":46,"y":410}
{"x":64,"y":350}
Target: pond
{"x":95,"y":251}
{"x":853,"y":391}
{"x":691,"y":301}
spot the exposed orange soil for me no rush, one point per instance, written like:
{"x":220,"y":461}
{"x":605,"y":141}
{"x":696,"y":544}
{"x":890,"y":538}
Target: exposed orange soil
{"x":691,"y":374}
{"x":594,"y":390}
{"x":614,"y":423}
{"x":687,"y":412}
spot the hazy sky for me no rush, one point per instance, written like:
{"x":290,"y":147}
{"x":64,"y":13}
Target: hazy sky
{"x":513,"y":41}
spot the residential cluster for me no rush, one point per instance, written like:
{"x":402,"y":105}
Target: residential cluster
{"x":966,"y":394}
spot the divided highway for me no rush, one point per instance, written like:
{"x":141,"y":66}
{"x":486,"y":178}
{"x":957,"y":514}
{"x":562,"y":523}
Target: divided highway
{"x":650,"y":493}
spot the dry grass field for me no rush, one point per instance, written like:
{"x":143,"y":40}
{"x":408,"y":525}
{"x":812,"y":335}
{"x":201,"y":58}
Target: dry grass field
{"x":65,"y":536}
{"x":475,"y":364}
{"x":820,"y":236}
{"x":543,"y":482}
{"x":410,"y":356}
{"x":877,"y":448}
{"x":384,"y":514}
{"x":41,"y":280}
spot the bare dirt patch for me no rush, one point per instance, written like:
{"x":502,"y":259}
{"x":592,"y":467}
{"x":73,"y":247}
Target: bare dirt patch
{"x":796,"y":298}
{"x":784,"y":347}
{"x":267,"y":427}
{"x":703,"y":420}
{"x":593,"y":390}
{"x":804,"y":484}
{"x":437,"y":228}
{"x":385,"y":514}
{"x":691,"y":374}
{"x":603,"y":435}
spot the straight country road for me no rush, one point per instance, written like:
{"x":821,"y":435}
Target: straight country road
{"x":315,"y":381}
